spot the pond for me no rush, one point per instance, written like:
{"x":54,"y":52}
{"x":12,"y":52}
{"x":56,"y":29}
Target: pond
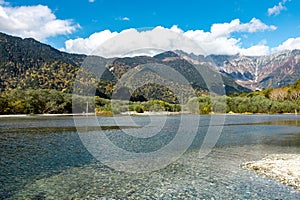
{"x":51,"y":158}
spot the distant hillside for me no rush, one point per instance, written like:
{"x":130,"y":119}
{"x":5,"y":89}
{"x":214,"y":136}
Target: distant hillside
{"x":256,"y":72}
{"x":26,"y":63}
{"x":285,"y":93}
{"x":190,"y":72}
{"x":29,"y":64}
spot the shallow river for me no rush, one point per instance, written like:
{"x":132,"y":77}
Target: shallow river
{"x":48,"y":158}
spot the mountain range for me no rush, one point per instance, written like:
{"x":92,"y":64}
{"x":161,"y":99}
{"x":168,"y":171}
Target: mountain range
{"x":29,"y":64}
{"x":255,"y":72}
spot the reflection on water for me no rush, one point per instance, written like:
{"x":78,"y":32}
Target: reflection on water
{"x":284,"y":122}
{"x":44,"y":158}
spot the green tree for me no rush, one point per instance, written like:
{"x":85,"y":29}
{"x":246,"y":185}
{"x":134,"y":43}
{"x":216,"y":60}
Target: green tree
{"x":138,"y":109}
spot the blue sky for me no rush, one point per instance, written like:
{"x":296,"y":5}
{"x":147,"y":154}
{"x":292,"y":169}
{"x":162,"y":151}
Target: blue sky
{"x":253,"y":27}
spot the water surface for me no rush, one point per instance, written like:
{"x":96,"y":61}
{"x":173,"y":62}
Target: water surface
{"x":44,"y":158}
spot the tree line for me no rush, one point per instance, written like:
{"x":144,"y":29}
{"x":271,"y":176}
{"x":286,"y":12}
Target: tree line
{"x":39,"y":101}
{"x":35,"y":102}
{"x":238,"y":104}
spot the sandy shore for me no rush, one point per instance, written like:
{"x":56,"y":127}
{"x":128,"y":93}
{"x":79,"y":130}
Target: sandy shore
{"x":7,"y":116}
{"x":154,"y":113}
{"x":284,"y":168}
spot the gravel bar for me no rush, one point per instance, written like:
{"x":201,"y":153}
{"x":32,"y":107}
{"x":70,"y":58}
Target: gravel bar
{"x":285,"y":168}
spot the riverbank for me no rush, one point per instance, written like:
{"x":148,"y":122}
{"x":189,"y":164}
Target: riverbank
{"x":132,"y":113}
{"x":154,"y":113}
{"x":284,"y":168}
{"x":46,"y":115}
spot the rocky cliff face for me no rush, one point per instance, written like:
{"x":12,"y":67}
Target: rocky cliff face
{"x":255,"y":72}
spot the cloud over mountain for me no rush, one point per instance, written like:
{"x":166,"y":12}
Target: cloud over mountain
{"x":289,"y":44}
{"x":218,"y":40}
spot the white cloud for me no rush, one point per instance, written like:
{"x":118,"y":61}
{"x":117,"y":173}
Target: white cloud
{"x":176,"y":29}
{"x":87,"y":45}
{"x":217,"y":41}
{"x":225,"y":45}
{"x":226,"y":29}
{"x":130,"y":42}
{"x":276,"y":10}
{"x":289,"y":44}
{"x":37,"y":22}
{"x":256,"y":50}
{"x":123,"y":18}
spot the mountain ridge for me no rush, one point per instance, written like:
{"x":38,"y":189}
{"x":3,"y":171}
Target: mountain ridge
{"x":255,"y":72}
{"x":29,"y":64}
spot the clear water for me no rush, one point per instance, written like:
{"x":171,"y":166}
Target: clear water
{"x":44,"y":158}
